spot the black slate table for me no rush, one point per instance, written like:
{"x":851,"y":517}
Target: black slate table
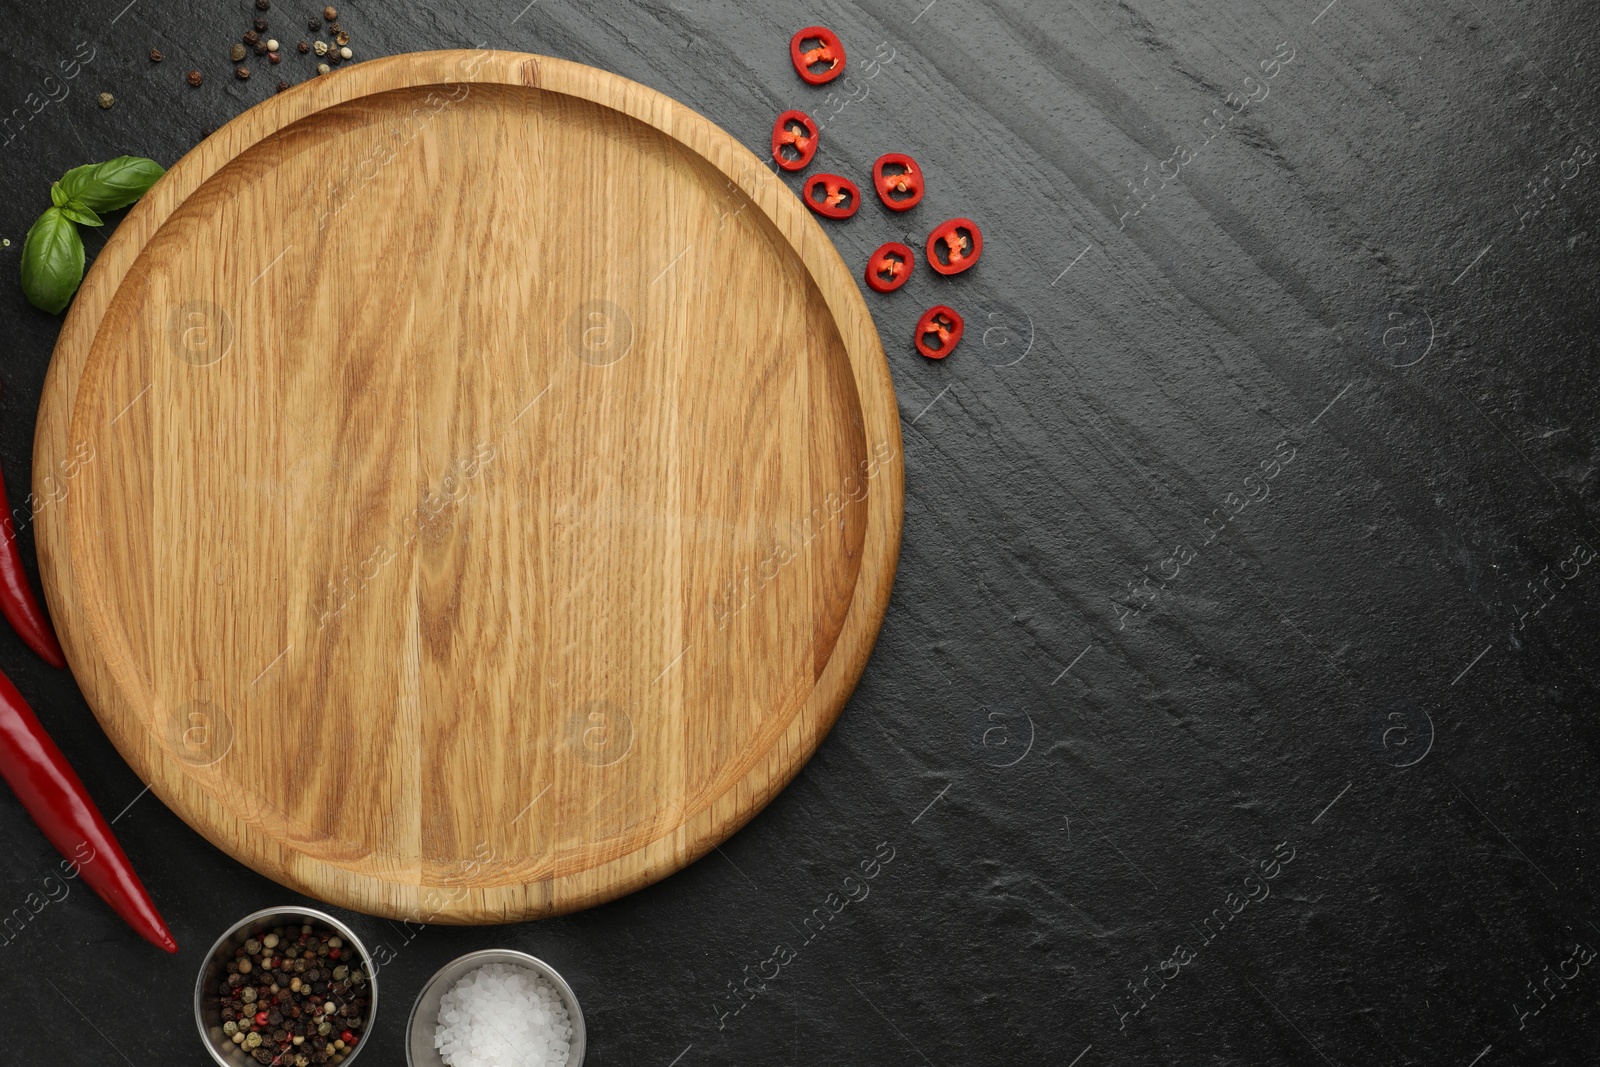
{"x":1236,"y":703}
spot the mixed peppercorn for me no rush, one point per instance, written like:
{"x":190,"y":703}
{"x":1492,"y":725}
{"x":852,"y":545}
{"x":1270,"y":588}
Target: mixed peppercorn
{"x":293,"y":996}
{"x":256,"y":41}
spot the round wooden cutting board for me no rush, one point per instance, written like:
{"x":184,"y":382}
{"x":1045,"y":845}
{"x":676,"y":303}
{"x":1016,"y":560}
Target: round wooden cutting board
{"x":471,"y":486}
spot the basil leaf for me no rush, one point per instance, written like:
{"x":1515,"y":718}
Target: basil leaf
{"x":114,"y":184}
{"x":52,"y":262}
{"x":80,"y":214}
{"x":58,"y":195}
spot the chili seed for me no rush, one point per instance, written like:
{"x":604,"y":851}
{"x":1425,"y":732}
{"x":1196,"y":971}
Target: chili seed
{"x":237,"y":53}
{"x":330,"y":13}
{"x":156,"y":56}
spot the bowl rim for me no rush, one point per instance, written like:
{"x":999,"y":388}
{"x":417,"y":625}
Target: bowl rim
{"x":336,"y":925}
{"x":499,"y":955}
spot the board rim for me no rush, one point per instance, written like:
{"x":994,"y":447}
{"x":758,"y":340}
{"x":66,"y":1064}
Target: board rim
{"x":178,"y":783}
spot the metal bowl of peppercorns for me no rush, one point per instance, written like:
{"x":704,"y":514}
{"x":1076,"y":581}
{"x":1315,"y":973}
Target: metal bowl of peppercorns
{"x":289,"y":987}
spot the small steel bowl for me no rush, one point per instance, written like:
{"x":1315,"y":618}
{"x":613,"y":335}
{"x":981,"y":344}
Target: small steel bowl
{"x":425,"y":1012}
{"x":208,"y":1019}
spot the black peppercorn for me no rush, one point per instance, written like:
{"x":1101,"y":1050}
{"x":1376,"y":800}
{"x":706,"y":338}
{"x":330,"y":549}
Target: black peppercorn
{"x":250,"y":37}
{"x":283,"y":87}
{"x":243,"y":74}
{"x":194,"y":78}
{"x":262,"y":5}
{"x":261,"y":25}
{"x":261,"y":48}
{"x":313,"y":25}
{"x":302,"y":48}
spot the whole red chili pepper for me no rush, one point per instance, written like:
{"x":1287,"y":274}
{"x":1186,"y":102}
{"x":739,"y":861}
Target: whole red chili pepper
{"x":52,"y":794}
{"x":905,"y":179}
{"x":827,"y":50}
{"x":794,"y":131}
{"x":890,"y":267}
{"x":840,"y":195}
{"x":17,"y":602}
{"x":943,"y":323}
{"x":961,"y":249}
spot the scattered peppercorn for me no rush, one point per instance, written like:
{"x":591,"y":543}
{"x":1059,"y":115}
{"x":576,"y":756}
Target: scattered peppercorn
{"x":156,"y":56}
{"x":345,"y":53}
{"x":250,"y":37}
{"x":194,"y":78}
{"x":302,"y":48}
{"x":341,"y":38}
{"x":313,"y":25}
{"x":330,"y":13}
{"x":321,"y":48}
{"x":272,"y":46}
{"x":263,"y":5}
{"x":106,"y":100}
{"x":261,"y":25}
{"x":323,"y":68}
{"x":243,"y":74}
{"x":261,"y":48}
{"x":237,"y":53}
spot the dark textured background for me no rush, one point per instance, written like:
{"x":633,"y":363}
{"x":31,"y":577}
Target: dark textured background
{"x":1383,"y":268}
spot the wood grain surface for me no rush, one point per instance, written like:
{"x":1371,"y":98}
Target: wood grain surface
{"x":495,"y":487}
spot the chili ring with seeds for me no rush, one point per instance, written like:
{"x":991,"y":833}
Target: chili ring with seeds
{"x":890,"y":267}
{"x":944,"y":326}
{"x":823,"y":61}
{"x":794,"y":132}
{"x":963,"y":244}
{"x":905,"y":179}
{"x":840,"y":197}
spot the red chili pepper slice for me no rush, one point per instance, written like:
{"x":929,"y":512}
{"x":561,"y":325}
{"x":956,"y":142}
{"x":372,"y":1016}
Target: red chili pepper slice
{"x":890,"y":267}
{"x":898,"y":180}
{"x":62,"y":809}
{"x":840,"y":196}
{"x":17,"y":602}
{"x":823,"y":61}
{"x":963,"y":243}
{"x":794,"y":132}
{"x":942,"y":324}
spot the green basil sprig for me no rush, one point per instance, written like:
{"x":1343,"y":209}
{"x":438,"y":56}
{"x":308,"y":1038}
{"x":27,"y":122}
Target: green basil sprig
{"x":52,"y":253}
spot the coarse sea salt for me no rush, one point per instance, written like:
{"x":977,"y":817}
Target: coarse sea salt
{"x":503,"y":1016}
